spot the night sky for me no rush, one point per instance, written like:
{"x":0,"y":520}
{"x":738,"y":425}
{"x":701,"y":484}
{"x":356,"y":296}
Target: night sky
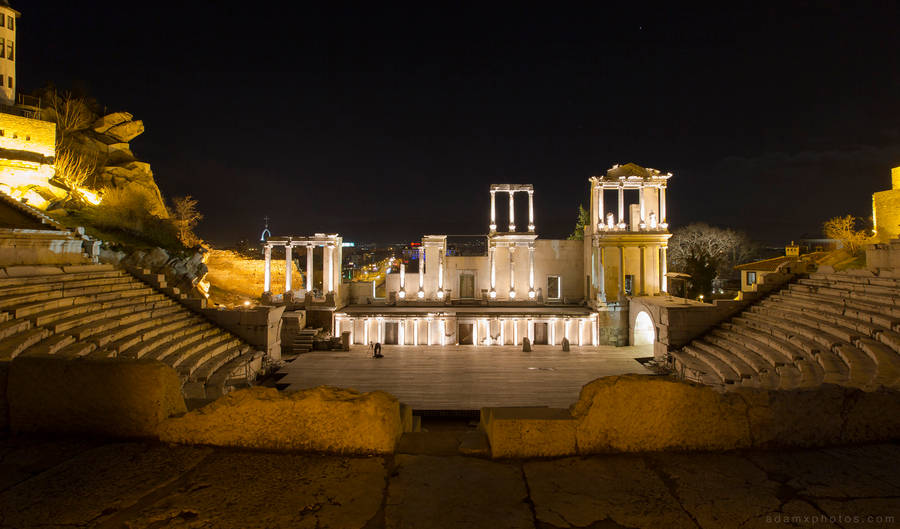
{"x":384,"y":124}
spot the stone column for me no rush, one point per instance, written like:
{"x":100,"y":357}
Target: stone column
{"x":512,"y":269}
{"x":621,"y":218}
{"x":621,"y":274}
{"x":421,"y":267}
{"x":288,"y":267}
{"x":502,"y":332}
{"x":401,"y":339}
{"x":512,"y":212}
{"x":643,"y":290}
{"x":328,"y":268}
{"x":267,"y":280}
{"x":662,"y":204}
{"x":309,"y":268}
{"x":402,"y":276}
{"x":599,"y":220}
{"x":531,"y":211}
{"x":493,"y":211}
{"x":415,"y":331}
{"x":441,"y":270}
{"x":531,"y":331}
{"x":491,"y":251}
{"x":601,"y":274}
{"x":531,"y":267}
{"x":641,"y":201}
{"x":580,"y":331}
{"x":663,"y":280}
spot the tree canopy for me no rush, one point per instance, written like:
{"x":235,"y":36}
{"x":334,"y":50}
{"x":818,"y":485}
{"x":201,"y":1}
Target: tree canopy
{"x":583,"y":220}
{"x":706,"y":252}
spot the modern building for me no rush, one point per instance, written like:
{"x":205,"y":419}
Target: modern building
{"x":522,"y":285}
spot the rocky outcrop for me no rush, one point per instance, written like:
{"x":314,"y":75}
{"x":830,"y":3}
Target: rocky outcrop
{"x":186,"y":272}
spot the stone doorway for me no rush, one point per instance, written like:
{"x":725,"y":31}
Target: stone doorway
{"x":391,"y":333}
{"x":540,"y":334}
{"x":467,"y":284}
{"x":464,"y":331}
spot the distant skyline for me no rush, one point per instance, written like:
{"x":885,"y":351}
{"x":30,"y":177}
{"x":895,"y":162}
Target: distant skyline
{"x":384,"y":123}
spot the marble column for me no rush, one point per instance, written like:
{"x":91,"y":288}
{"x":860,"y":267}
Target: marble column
{"x":512,"y":270}
{"x":621,"y":218}
{"x":531,"y":268}
{"x":512,"y":212}
{"x":422,"y":268}
{"x":328,"y":268}
{"x":415,"y":331}
{"x":600,"y":212}
{"x":641,"y":201}
{"x":309,"y":268}
{"x":663,"y":280}
{"x":288,"y":267}
{"x":621,"y":274}
{"x":601,"y":274}
{"x":493,"y":211}
{"x":492,"y":257}
{"x":531,"y":211}
{"x":662,"y":204}
{"x":267,"y":278}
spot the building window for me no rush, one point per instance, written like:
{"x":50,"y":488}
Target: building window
{"x":11,"y":22}
{"x":9,"y":81}
{"x":629,"y":284}
{"x":2,"y":48}
{"x":1,"y":84}
{"x":2,"y":19}
{"x":553,"y":287}
{"x":10,"y":51}
{"x":751,"y":278}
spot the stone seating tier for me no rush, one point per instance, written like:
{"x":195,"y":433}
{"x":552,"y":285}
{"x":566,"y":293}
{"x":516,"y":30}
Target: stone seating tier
{"x":841,"y":328}
{"x":97,"y":311}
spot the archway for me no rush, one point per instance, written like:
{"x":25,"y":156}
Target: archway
{"x":644,"y":332}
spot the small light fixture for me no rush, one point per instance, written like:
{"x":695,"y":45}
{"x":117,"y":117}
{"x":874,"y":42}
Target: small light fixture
{"x":246,"y":303}
{"x":402,"y":294}
{"x":440,"y":294}
{"x":531,"y":294}
{"x":512,"y":294}
{"x":420,"y":294}
{"x":493,"y":294}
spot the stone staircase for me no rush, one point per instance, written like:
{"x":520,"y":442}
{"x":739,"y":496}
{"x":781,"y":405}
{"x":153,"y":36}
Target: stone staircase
{"x":304,"y":341}
{"x":840,"y":328}
{"x":98,"y":311}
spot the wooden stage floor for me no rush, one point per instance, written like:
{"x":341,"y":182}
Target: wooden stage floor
{"x":466,"y":377}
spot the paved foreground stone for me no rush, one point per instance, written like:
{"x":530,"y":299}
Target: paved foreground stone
{"x":54,"y":483}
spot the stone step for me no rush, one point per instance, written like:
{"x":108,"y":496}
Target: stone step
{"x":88,"y":292}
{"x":691,"y":368}
{"x":44,"y":318}
{"x":886,"y":360}
{"x":53,"y":278}
{"x":140,"y":350}
{"x":811,"y":374}
{"x":76,"y":350}
{"x":740,"y":367}
{"x":783,"y":354}
{"x":876,"y":308}
{"x":862,"y":368}
{"x":49,"y":346}
{"x":181,"y":351}
{"x":833,"y":314}
{"x":808,"y":323}
{"x":887,"y":300}
{"x":204,"y":371}
{"x":242,"y":368}
{"x":842,"y":282}
{"x":135,"y":322}
{"x":13,"y":346}
{"x":13,"y":327}
{"x":61,"y":286}
{"x":789,"y":376}
{"x":188,"y":364}
{"x":90,"y":316}
{"x":720,"y":368}
{"x":757,"y":362}
{"x":31,"y":309}
{"x":172,"y":322}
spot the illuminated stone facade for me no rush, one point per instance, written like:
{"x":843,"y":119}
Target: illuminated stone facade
{"x":8,"y":22}
{"x":886,"y":210}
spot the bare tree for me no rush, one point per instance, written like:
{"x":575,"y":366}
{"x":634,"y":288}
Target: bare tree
{"x":706,"y":252}
{"x":73,"y":168}
{"x":70,"y":114}
{"x":186,"y":219}
{"x":844,"y":230}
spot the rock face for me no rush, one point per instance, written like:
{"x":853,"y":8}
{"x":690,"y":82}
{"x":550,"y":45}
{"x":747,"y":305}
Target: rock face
{"x":110,"y":136}
{"x":96,"y":397}
{"x":187,"y":273}
{"x":325,"y":419}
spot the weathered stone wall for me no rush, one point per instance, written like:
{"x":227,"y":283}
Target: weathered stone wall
{"x":259,"y":326}
{"x":28,"y":135}
{"x":323,"y":419}
{"x":95,"y":397}
{"x":613,"y":325}
{"x":886,"y":210}
{"x":639,"y":413}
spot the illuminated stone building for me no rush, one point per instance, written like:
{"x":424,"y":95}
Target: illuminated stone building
{"x":523,"y":286}
{"x":886,"y":210}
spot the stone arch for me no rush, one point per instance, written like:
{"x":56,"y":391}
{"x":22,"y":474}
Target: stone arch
{"x":644,"y":332}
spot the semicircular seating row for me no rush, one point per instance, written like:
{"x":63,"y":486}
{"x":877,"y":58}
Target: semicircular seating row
{"x":98,"y":311}
{"x":839,"y":328}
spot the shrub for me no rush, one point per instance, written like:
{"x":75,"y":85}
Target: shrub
{"x":129,"y":210}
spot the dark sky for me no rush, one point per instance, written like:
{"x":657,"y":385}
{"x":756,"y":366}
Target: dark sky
{"x":388,"y":123}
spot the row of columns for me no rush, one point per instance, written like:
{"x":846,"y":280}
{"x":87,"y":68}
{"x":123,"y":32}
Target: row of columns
{"x":601,"y":277}
{"x":327,"y":267}
{"x":512,"y":209}
{"x":512,"y":271}
{"x":606,"y":220}
{"x":487,"y":323}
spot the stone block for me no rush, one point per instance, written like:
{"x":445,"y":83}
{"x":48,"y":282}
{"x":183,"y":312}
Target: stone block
{"x":870,"y":416}
{"x":95,"y":397}
{"x":639,"y":413}
{"x":529,"y":432}
{"x":325,"y":419}
{"x":796,"y":417}
{"x":110,"y":120}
